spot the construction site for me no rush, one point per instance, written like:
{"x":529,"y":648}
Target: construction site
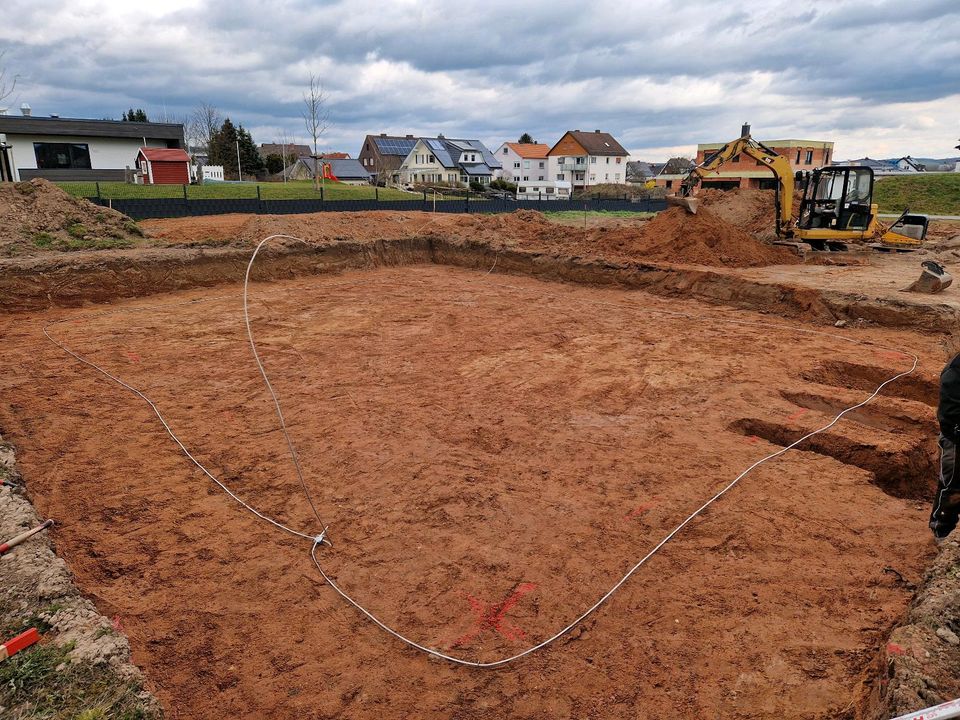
{"x":413,"y":464}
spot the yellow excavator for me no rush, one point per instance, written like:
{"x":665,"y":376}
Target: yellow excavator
{"x":837,"y":206}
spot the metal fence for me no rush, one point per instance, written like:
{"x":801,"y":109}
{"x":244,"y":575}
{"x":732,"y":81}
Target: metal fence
{"x":143,"y":208}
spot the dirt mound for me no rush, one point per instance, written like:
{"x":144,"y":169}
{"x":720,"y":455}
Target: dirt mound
{"x":37,"y":215}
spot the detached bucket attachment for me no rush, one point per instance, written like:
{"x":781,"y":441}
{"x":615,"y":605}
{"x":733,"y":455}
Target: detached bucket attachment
{"x":690,"y":204}
{"x":933,"y":279}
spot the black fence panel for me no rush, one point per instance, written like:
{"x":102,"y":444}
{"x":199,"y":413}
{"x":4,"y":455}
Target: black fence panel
{"x":143,"y":208}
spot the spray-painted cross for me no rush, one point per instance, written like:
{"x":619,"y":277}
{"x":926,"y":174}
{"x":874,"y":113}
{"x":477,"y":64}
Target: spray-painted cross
{"x":492,"y":616}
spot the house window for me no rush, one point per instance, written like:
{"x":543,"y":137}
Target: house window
{"x":826,"y":157}
{"x":506,"y":150}
{"x":542,"y":165}
{"x":617,"y":177}
{"x":521,"y":189}
{"x":432,"y":159}
{"x":809,"y":157}
{"x":592,"y":177}
{"x":593,"y":160}
{"x":619,"y":159}
{"x":579,"y":161}
{"x":798,"y":157}
{"x":560,"y":161}
{"x":516,"y":166}
{"x":608,"y":161}
{"x":669,"y":184}
{"x":559,"y":176}
{"x":526,"y":178}
{"x":540,"y":177}
{"x":526,"y":164}
{"x":549,"y":190}
{"x":605,"y":177}
{"x":57,"y":156}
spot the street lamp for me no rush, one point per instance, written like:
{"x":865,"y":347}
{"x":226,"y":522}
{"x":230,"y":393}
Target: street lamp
{"x":239,"y":170}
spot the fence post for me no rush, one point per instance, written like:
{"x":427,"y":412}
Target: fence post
{"x":539,"y":198}
{"x":466,"y":201}
{"x":424,"y":200}
{"x":98,"y":191}
{"x":321,"y":197}
{"x":186,"y":205}
{"x":259,"y":201}
{"x":376,"y":195}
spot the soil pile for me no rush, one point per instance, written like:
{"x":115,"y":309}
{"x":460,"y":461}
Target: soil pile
{"x":676,"y":236}
{"x":37,"y":215}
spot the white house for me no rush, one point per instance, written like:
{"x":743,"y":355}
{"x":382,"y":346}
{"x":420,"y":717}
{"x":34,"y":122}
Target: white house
{"x":588,"y":158}
{"x":523,"y":162}
{"x":443,"y":160}
{"x":58,"y":148}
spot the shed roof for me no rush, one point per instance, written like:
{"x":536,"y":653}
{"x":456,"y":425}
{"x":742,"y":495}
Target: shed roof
{"x":341,"y":167}
{"x":164,"y":154}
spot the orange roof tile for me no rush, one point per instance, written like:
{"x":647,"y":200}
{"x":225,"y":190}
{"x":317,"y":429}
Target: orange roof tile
{"x":530,"y":150}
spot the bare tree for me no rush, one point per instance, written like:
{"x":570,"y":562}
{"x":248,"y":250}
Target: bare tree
{"x":7,"y":83}
{"x":316,"y":117}
{"x":205,"y":122}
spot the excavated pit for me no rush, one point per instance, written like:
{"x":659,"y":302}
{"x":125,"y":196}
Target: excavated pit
{"x":918,"y":387}
{"x":904,"y":472}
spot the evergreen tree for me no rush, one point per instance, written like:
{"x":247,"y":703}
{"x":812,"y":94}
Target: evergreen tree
{"x":223,"y":148}
{"x":251,"y":162}
{"x":138,"y":115}
{"x":525,"y":139}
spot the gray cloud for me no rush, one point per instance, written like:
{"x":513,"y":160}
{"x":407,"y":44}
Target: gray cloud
{"x":878,"y":77}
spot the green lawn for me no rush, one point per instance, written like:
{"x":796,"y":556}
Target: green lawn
{"x":294,"y":190}
{"x":932,"y":194}
{"x":567,"y":216}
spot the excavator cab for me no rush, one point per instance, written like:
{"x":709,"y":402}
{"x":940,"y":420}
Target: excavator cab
{"x":838,"y":207}
{"x":837,"y":198}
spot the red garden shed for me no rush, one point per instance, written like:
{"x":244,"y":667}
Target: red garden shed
{"x":164,"y":166}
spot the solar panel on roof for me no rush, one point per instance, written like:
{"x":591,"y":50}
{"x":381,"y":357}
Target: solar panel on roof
{"x":395,"y":146}
{"x":435,"y":144}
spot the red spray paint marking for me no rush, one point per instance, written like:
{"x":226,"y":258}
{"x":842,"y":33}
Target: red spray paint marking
{"x":132,"y":356}
{"x":640,"y":510}
{"x":894,"y":649}
{"x":797,"y":415}
{"x":752,"y":439}
{"x":117,"y":624}
{"x":890,"y":355}
{"x":492,"y":616}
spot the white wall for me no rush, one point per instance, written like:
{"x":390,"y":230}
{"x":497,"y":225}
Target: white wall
{"x":418,"y":163}
{"x":597,"y":169}
{"x":529,"y":168}
{"x":105,"y":153}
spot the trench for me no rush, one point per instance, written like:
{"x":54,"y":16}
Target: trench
{"x":906,"y":473}
{"x":855,"y":376}
{"x":29,"y":284}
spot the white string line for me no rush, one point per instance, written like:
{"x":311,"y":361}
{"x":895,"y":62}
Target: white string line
{"x":316,"y":540}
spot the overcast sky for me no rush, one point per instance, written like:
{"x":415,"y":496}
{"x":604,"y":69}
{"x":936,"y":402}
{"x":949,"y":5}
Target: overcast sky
{"x":879,"y":78}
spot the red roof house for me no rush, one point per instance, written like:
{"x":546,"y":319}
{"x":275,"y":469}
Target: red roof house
{"x":164,"y":166}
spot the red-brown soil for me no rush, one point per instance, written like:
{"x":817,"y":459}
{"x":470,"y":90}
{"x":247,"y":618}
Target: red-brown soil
{"x":673,"y":236}
{"x":468,"y":437}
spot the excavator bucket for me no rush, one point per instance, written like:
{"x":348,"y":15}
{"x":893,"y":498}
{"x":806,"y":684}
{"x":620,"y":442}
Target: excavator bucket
{"x":690,"y":204}
{"x":933,"y":279}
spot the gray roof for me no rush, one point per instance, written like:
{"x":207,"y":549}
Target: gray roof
{"x":13,"y":124}
{"x":348,"y":169}
{"x":448,"y":152}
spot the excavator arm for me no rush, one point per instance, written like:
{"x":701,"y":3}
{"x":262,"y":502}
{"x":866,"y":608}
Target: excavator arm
{"x":744,"y":145}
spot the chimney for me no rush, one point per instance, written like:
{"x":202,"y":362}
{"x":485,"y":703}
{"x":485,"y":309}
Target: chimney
{"x":54,"y":115}
{"x":25,"y":109}
{"x":383,"y":134}
{"x":410,"y":136}
{"x":745,"y":130}
{"x":596,"y":131}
